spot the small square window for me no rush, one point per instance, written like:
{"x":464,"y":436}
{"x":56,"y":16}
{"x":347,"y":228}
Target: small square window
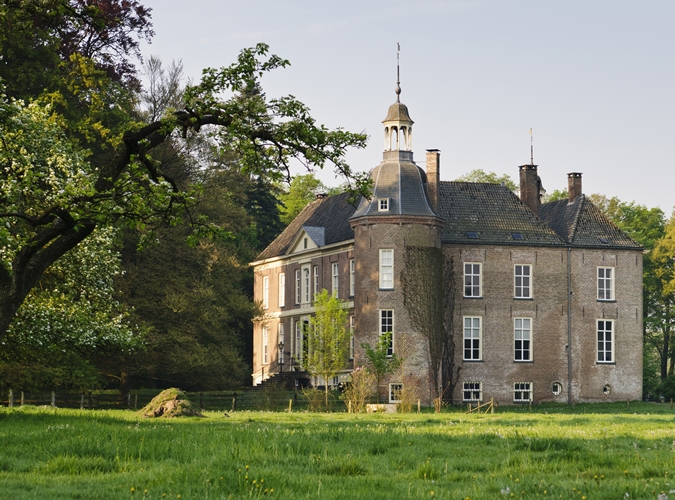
{"x":395,"y":393}
{"x":517,"y":236}
{"x":472,"y":235}
{"x":522,"y":392}
{"x":556,"y":388}
{"x":383,"y":205}
{"x":472,"y":391}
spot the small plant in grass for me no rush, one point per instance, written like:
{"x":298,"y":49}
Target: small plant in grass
{"x":314,"y":397}
{"x":358,"y":390}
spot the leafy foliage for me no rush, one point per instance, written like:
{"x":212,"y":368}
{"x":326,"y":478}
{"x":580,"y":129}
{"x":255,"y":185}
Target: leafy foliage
{"x":479,"y":175}
{"x":378,"y":360}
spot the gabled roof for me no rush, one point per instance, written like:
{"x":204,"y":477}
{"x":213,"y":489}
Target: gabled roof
{"x":330,"y":214}
{"x":483,"y":213}
{"x":583,"y":224}
{"x":317,"y":234}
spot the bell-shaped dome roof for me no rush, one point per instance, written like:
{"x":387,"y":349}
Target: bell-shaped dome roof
{"x":398,"y":112}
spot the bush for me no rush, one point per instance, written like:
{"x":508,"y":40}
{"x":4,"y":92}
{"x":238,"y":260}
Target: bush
{"x":359,"y":389}
{"x":667,"y":388}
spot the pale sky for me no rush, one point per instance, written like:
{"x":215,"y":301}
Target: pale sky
{"x":594,"y":78}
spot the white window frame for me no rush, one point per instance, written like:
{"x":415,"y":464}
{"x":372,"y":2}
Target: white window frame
{"x":282,"y":289}
{"x":298,"y":340}
{"x":335,"y":270}
{"x":306,"y":285}
{"x":351,"y":337}
{"x":474,"y":326}
{"x":386,"y":268}
{"x":352,"y":280}
{"x":474,"y":390}
{"x":281,"y":337}
{"x":386,"y":320}
{"x":475,"y":290}
{"x":394,"y":388}
{"x":265,"y":345}
{"x":522,"y":281}
{"x":523,"y":392}
{"x":383,"y":205}
{"x":266,"y":292}
{"x":606,"y":283}
{"x":316,"y":280}
{"x":605,"y":340}
{"x":298,"y":284}
{"x":522,"y":339}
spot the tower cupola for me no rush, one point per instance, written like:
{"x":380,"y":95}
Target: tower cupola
{"x":397,"y":124}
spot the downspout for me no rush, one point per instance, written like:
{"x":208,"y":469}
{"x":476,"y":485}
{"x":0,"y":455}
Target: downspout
{"x":569,"y":326}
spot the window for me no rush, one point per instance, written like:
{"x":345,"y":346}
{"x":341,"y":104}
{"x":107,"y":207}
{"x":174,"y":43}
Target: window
{"x":305,"y":244}
{"x":297,"y":286}
{"x":472,"y":334}
{"x":522,"y":392}
{"x":316,"y":280}
{"x":383,"y":205}
{"x":522,"y":333}
{"x":306,"y":285}
{"x":517,"y":236}
{"x":387,"y":268}
{"x":265,"y":341}
{"x":351,"y":337}
{"x":352,"y":269}
{"x":556,"y":388}
{"x":281,"y":336}
{"x":298,"y":340}
{"x":266,"y":292}
{"x":387,"y":326}
{"x":395,"y":393}
{"x":472,"y":391}
{"x":335,"y":278}
{"x":282,"y":290}
{"x":472,"y":283}
{"x":605,"y":283}
{"x":607,"y":389}
{"x":523,"y":281}
{"x":605,"y":343}
{"x":473,"y":235}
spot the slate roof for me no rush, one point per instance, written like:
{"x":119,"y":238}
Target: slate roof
{"x":331,"y":213}
{"x":583,"y":224}
{"x":494,"y":213}
{"x":403,"y":182}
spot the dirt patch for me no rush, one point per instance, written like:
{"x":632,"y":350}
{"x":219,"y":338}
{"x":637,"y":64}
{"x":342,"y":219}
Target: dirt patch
{"x":170,"y":403}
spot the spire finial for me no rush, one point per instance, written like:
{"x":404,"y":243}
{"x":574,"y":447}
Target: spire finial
{"x":531,"y":149}
{"x":398,"y":73}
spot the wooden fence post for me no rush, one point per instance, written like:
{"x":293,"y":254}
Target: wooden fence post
{"x":201,"y":401}
{"x":234,"y":401}
{"x":419,"y":406}
{"x":135,"y":401}
{"x":11,"y":398}
{"x":53,"y":399}
{"x":290,"y":405}
{"x":22,"y":400}
{"x":82,"y":401}
{"x":492,"y":405}
{"x":129,"y":401}
{"x":91,"y":401}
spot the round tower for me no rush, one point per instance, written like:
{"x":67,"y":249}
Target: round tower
{"x":393,"y":230}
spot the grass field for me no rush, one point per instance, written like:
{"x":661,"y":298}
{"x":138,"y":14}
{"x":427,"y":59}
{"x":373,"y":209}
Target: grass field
{"x":590,"y":451}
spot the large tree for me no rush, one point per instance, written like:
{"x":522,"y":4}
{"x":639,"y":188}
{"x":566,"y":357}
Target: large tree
{"x":268,"y":135}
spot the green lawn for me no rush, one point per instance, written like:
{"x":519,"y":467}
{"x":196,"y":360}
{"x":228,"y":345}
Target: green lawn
{"x":591,"y":451}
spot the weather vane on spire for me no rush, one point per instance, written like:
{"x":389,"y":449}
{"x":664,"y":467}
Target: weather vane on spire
{"x":398,"y":73}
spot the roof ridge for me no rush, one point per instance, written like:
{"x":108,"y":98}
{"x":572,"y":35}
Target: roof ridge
{"x":577,"y":215}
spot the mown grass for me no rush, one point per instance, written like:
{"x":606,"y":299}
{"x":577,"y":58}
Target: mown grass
{"x":591,"y":451}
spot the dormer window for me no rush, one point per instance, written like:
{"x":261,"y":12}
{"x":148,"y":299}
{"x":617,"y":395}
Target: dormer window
{"x":383,"y":205}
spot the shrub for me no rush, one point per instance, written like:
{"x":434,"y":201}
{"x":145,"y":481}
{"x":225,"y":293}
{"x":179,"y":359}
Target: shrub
{"x":359,"y":389}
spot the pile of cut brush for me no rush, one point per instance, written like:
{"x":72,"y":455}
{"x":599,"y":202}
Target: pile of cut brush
{"x":170,"y":403}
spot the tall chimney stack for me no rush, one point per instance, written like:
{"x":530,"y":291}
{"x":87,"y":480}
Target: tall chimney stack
{"x":574,"y":185}
{"x":433,"y":176}
{"x":529,"y":187}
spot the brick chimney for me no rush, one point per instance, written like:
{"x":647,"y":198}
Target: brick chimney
{"x":574,"y":186}
{"x":529,"y":187}
{"x":433,"y":176}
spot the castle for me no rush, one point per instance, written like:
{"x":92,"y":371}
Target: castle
{"x":487,"y":294}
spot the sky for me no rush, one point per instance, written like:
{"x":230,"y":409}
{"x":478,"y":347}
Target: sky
{"x":595,"y":80}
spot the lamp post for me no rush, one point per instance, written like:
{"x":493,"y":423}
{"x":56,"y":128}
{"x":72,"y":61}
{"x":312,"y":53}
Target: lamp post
{"x":281,"y":361}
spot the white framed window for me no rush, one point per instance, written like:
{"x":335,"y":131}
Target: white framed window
{"x":387,"y":326}
{"x":306,"y":285}
{"x":281,"y":337}
{"x":383,"y":205}
{"x":265,"y":345}
{"x":472,"y":279}
{"x":352,"y":282}
{"x":522,"y":334}
{"x":298,"y":283}
{"x":605,"y":341}
{"x":266,"y":292}
{"x":472,"y":391}
{"x":556,"y":388}
{"x":522,"y":275}
{"x":605,"y":283}
{"x":282,"y":289}
{"x":335,"y":274}
{"x":351,"y":337}
{"x":522,"y":392}
{"x":298,"y":340}
{"x":387,"y":268}
{"x":395,"y":393}
{"x":472,"y":338}
{"x":316,"y":280}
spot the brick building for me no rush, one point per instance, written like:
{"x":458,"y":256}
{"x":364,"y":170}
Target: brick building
{"x":487,"y":294}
